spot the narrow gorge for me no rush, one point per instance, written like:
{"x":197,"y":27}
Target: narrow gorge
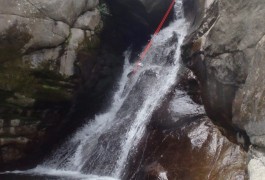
{"x":90,"y":90}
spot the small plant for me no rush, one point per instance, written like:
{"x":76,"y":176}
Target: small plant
{"x":104,"y":9}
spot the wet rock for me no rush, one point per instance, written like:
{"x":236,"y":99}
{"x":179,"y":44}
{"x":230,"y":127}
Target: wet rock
{"x":194,"y":150}
{"x":182,"y":143}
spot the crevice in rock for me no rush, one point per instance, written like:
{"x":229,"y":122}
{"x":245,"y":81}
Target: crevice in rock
{"x":43,"y":13}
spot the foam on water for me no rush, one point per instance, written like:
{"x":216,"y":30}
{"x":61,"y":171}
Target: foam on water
{"x":61,"y":173}
{"x":183,"y":105}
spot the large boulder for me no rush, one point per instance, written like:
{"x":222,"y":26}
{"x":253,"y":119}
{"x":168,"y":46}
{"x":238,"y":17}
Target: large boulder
{"x":220,"y":50}
{"x":47,"y":24}
{"x":249,"y":103}
{"x":226,"y":51}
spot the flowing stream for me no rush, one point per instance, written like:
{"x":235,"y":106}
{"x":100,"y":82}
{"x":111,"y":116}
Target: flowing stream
{"x":101,"y":148}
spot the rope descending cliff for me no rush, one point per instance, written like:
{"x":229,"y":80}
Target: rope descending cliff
{"x":148,"y":46}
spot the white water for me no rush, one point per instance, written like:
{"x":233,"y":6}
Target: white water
{"x":60,"y":173}
{"x":102,"y":146}
{"x":188,"y":106}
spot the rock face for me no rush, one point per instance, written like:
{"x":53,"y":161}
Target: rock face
{"x":39,"y":45}
{"x":220,"y":65}
{"x":226,"y":51}
{"x":48,"y":25}
{"x":249,"y":103}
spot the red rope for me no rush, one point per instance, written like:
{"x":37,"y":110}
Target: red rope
{"x":148,"y":46}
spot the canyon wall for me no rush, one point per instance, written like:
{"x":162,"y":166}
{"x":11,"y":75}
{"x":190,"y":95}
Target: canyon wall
{"x":39,"y":45}
{"x":225,"y":50}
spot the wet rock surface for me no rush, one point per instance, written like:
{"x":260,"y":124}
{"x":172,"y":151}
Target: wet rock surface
{"x":197,"y":150}
{"x":182,"y":143}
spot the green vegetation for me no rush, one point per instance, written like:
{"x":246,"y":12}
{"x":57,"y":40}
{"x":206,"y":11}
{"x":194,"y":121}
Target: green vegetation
{"x":21,"y":87}
{"x":104,"y":10}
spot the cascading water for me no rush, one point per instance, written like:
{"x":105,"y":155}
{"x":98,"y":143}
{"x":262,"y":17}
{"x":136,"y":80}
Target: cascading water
{"x":102,"y":146}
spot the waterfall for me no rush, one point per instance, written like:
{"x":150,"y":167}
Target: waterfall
{"x":102,"y":146}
